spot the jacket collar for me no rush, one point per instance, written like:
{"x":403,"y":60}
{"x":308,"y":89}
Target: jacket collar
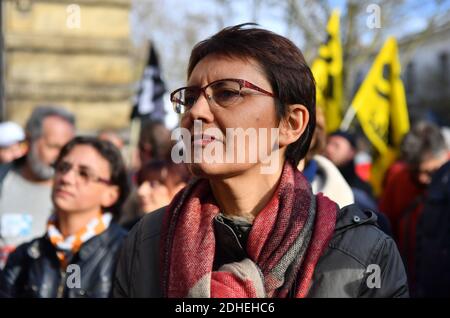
{"x":35,"y":250}
{"x":353,"y":216}
{"x":92,"y":246}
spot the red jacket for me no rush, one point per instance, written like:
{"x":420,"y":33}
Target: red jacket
{"x":402,"y":202}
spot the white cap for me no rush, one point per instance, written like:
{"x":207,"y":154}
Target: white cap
{"x":10,"y":134}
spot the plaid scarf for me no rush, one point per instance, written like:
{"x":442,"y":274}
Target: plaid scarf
{"x":69,"y":246}
{"x":285,"y":243}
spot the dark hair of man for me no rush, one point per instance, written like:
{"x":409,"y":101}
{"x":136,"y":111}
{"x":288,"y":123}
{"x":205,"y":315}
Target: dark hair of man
{"x":160,"y":146}
{"x":281,"y":61}
{"x":116,"y":165}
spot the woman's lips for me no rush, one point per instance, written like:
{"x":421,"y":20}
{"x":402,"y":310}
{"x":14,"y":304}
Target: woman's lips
{"x":203,"y":140}
{"x":63,"y":193}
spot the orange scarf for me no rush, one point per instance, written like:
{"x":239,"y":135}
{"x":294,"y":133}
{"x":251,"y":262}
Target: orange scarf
{"x":70,"y":245}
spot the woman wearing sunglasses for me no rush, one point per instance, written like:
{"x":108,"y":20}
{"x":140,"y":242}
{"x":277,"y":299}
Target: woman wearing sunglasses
{"x":77,"y":255}
{"x":239,"y":230}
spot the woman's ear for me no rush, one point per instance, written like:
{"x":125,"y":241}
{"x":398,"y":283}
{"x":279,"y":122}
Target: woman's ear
{"x":293,"y":124}
{"x":110,"y":196}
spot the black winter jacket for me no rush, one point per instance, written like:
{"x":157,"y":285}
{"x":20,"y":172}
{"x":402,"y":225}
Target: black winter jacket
{"x":33,"y":269}
{"x":358,"y":252}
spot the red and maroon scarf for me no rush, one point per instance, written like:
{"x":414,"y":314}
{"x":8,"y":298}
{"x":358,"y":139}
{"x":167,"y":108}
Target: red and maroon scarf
{"x":285,"y":243}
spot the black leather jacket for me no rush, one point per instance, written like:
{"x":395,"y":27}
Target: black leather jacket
{"x":33,"y":269}
{"x":346,"y":269}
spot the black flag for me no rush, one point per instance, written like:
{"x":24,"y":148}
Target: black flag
{"x":149,"y":101}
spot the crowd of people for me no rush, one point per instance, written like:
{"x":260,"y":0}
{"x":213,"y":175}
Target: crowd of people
{"x":312,"y":228}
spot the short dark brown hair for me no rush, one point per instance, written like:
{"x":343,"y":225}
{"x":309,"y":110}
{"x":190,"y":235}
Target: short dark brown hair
{"x":283,"y":64}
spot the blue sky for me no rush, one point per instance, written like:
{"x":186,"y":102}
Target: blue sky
{"x":418,"y":12}
{"x":178,"y":12}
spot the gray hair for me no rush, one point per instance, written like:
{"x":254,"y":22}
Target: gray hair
{"x":423,"y":140}
{"x":33,"y":127}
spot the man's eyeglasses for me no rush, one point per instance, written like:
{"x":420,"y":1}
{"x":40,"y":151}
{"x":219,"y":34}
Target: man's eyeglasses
{"x":82,"y":173}
{"x":224,"y":92}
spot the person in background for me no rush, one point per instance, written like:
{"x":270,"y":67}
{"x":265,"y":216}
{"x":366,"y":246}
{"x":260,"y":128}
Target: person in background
{"x":321,"y":172}
{"x":341,"y":150}
{"x":26,"y":183}
{"x":113,"y":137}
{"x":90,"y":184}
{"x":154,"y":143}
{"x":12,"y":142}
{"x":432,"y":254}
{"x":423,"y":151}
{"x":116,"y":139}
{"x":326,"y":177}
{"x":158,"y":182}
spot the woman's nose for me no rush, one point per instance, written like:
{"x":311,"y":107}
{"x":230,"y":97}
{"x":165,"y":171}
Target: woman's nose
{"x":201,"y":110}
{"x":68,"y":177}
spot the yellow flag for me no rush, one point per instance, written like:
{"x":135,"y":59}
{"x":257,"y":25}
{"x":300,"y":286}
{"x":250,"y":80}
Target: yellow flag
{"x":327,"y":70}
{"x":380,"y":106}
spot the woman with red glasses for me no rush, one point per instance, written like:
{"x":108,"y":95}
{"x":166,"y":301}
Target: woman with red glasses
{"x":238,"y":229}
{"x":77,"y":255}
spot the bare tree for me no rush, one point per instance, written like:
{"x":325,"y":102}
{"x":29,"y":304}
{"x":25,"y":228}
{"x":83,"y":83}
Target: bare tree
{"x":175,"y":27}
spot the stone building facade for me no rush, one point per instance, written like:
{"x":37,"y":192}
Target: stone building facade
{"x":76,"y":54}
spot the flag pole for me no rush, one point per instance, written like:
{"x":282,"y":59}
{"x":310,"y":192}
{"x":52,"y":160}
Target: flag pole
{"x":348,"y":118}
{"x":135,"y":128}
